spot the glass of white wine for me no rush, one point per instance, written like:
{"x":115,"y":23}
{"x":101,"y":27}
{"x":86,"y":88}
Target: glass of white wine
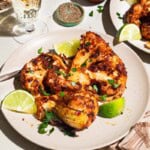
{"x":27,"y":13}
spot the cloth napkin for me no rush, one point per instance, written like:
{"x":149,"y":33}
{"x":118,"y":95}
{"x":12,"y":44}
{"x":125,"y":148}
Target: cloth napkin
{"x":138,"y":137}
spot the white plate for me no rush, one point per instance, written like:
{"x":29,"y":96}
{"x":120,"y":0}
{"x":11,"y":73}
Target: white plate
{"x":122,"y":7}
{"x":103,"y":131}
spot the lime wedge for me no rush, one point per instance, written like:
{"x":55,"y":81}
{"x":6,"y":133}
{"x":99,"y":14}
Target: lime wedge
{"x":112,"y":109}
{"x":129,"y":32}
{"x":20,"y":101}
{"x":131,"y":2}
{"x":68,"y":48}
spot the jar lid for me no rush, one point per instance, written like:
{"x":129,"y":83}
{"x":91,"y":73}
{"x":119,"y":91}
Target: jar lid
{"x":69,"y":14}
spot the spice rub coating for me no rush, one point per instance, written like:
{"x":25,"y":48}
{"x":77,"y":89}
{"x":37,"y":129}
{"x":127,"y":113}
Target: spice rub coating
{"x":73,"y":91}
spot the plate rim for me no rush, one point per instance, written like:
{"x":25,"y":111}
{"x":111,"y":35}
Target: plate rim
{"x":82,"y":30}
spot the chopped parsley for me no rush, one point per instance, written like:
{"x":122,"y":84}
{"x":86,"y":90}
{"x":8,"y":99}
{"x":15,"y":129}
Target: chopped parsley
{"x":30,"y":71}
{"x":51,"y":130}
{"x":59,"y":72}
{"x":91,"y":13}
{"x":103,"y":97}
{"x":42,"y":128}
{"x":95,"y":87}
{"x":87,"y":44}
{"x":43,"y":92}
{"x":62,"y":94}
{"x":113,"y":84}
{"x":49,"y":116}
{"x":73,"y":69}
{"x":84,"y":64}
{"x":100,"y":9}
{"x":119,"y":16}
{"x":40,"y":50}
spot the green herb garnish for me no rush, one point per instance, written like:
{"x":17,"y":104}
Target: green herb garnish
{"x":51,"y":130}
{"x":40,"y":50}
{"x":95,"y":87}
{"x":103,"y":97}
{"x":43,"y":92}
{"x":100,"y":9}
{"x":91,"y":13}
{"x":87,"y":44}
{"x":30,"y":71}
{"x":60,"y":73}
{"x":116,"y":85}
{"x":84,"y":64}
{"x":62,"y":94}
{"x":73,"y":69}
{"x":119,"y":16}
{"x":49,"y":116}
{"x":113,"y":84}
{"x":42,"y":128}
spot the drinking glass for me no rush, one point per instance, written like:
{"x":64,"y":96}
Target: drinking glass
{"x":27,"y":13}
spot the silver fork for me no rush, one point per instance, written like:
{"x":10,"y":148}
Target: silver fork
{"x":6,"y":76}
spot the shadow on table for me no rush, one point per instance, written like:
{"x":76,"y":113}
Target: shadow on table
{"x":7,"y":22}
{"x":13,"y":136}
{"x":110,"y":29}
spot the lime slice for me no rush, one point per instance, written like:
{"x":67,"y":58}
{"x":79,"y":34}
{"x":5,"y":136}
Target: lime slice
{"x":68,"y":48}
{"x":129,"y":32}
{"x":112,"y":109}
{"x":20,"y":101}
{"x":131,"y":2}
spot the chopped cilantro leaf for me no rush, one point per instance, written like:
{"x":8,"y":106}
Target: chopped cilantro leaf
{"x":119,"y":16}
{"x":60,"y":73}
{"x":43,"y":92}
{"x":113,"y":84}
{"x":73,"y":69}
{"x":103,"y":97}
{"x":62,"y":94}
{"x":30,"y":71}
{"x":87,"y":44}
{"x":51,"y":130}
{"x":42,"y":127}
{"x":111,"y":81}
{"x":49,"y":116}
{"x":40,"y":50}
{"x":84,"y":64}
{"x":95,"y":87}
{"x":100,"y":9}
{"x":91,"y":13}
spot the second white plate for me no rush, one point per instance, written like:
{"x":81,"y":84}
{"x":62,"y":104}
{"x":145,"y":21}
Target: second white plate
{"x":121,"y":7}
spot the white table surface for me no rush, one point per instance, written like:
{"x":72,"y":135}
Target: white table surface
{"x":9,"y":138}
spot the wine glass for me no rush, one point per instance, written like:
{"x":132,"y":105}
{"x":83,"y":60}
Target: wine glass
{"x":28,"y":25}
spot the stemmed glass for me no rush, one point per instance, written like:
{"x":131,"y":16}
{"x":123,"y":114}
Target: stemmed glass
{"x":27,"y":14}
